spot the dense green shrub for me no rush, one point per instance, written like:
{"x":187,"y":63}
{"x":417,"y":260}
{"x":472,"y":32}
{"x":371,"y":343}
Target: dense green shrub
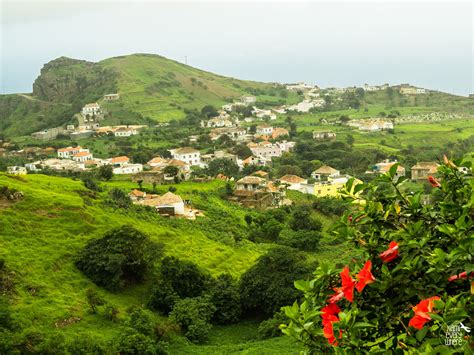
{"x":225,"y":296}
{"x":270,"y":328}
{"x":185,"y":277}
{"x":194,"y":315}
{"x":142,"y":321}
{"x":163,"y":297}
{"x":302,"y":239}
{"x":123,"y":256}
{"x":132,"y":342}
{"x":268,"y":285}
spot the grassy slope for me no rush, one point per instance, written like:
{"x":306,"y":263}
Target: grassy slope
{"x":159,"y":88}
{"x":40,"y":235}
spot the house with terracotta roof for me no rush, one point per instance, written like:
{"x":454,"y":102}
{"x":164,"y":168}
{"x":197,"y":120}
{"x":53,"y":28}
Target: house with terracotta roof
{"x":421,"y":170}
{"x":137,"y":195}
{"x":293,"y":182}
{"x":68,"y":152}
{"x":325,"y":172}
{"x":384,"y":167}
{"x":158,"y":162}
{"x":119,"y":161}
{"x":82,"y":156}
{"x":265,"y":149}
{"x":257,"y":192}
{"x":279,"y":132}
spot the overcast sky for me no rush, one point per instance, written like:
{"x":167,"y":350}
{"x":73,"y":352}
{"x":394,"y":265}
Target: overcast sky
{"x":428,"y":44}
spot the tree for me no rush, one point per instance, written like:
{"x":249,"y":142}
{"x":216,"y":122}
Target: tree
{"x":412,"y":278}
{"x":242,"y":151}
{"x":223,"y":166}
{"x":350,"y":139}
{"x":185,"y":277}
{"x":193,"y":315}
{"x":171,"y":170}
{"x":268,"y":284}
{"x":224,"y":295}
{"x":122,"y":257}
{"x":106,"y":172}
{"x":209,"y":111}
{"x":302,"y":219}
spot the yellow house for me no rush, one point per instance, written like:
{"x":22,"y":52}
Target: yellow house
{"x":332,"y":187}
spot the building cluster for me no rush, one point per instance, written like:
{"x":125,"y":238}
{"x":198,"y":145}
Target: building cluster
{"x":371,"y":125}
{"x":88,"y":124}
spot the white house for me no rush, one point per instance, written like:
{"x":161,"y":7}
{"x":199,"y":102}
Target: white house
{"x":217,"y":122}
{"x":125,"y":132}
{"x":265,"y":150}
{"x":264,"y":129}
{"x":92,"y":109}
{"x":189,"y":155}
{"x":111,"y":97}
{"x":119,"y":161}
{"x":68,"y":152}
{"x":323,"y":135}
{"x":248,"y":100}
{"x":325,"y":172}
{"x":128,"y":169}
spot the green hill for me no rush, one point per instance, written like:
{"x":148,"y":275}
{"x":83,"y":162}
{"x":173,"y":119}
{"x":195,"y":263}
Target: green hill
{"x":152,"y":88}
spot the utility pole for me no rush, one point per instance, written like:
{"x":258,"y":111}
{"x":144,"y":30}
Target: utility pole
{"x":186,"y":60}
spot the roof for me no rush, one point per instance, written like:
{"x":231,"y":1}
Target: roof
{"x":260,"y":173}
{"x":423,"y":165}
{"x":252,"y":180}
{"x":94,"y":104}
{"x":326,"y":169}
{"x":121,"y":159}
{"x":185,"y":150}
{"x":386,"y":167}
{"x":82,"y":154}
{"x":292,"y":179}
{"x":168,"y":199}
{"x":264,"y":125}
{"x":157,"y":160}
{"x":68,"y":149}
{"x":176,"y":162}
{"x":137,"y":193}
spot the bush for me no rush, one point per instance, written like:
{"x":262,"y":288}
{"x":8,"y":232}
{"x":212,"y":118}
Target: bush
{"x":302,"y":239}
{"x":123,"y":256}
{"x":185,"y":277}
{"x":270,"y":328}
{"x":268,"y":285}
{"x":142,"y":321}
{"x":226,"y":298}
{"x":193,"y":315}
{"x":134,"y":343}
{"x":163,"y":297}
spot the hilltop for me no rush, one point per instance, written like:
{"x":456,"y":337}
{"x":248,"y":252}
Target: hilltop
{"x":152,"y":88}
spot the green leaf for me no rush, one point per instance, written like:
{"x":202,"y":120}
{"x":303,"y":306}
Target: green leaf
{"x":421,"y":333}
{"x":363,"y":325}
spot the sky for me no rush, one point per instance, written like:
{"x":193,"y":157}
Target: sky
{"x":428,"y":43}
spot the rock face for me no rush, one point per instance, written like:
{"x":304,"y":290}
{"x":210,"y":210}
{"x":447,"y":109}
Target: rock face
{"x":70,"y":80}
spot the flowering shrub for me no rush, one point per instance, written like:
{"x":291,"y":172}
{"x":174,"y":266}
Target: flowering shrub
{"x":412,"y":281}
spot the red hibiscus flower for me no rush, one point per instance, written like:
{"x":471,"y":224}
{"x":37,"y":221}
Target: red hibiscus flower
{"x":421,"y":310}
{"x":348,"y":284}
{"x":433,"y":181}
{"x":339,"y":295}
{"x":365,"y":276}
{"x":462,"y":275}
{"x":329,"y":316}
{"x":391,"y":253}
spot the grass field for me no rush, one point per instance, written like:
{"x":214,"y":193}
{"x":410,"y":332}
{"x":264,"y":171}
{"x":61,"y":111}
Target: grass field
{"x":41,"y":234}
